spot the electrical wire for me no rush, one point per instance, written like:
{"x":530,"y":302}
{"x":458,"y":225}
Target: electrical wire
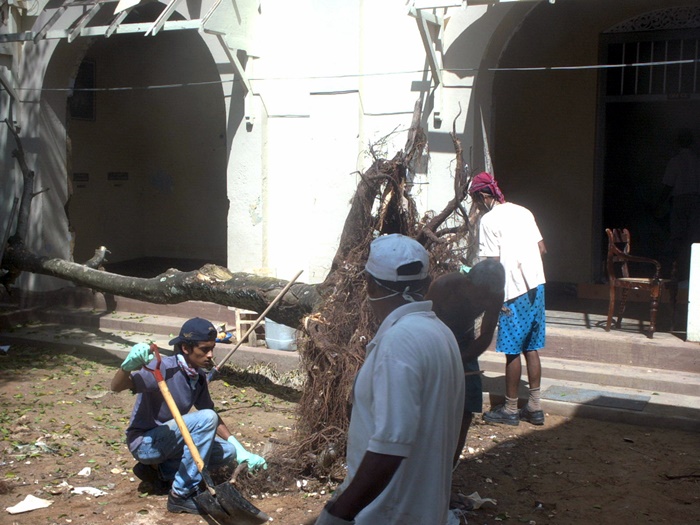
{"x":367,"y":75}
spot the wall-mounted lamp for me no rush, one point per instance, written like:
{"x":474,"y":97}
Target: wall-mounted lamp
{"x":249,"y":121}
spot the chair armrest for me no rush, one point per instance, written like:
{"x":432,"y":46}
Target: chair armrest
{"x":644,"y":260}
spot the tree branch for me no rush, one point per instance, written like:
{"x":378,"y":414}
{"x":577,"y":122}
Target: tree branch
{"x":210,"y":283}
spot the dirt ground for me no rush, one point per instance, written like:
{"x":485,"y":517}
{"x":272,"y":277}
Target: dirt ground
{"x":58,"y":419}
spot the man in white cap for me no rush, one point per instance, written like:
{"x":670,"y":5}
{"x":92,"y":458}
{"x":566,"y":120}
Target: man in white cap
{"x":407,"y":401}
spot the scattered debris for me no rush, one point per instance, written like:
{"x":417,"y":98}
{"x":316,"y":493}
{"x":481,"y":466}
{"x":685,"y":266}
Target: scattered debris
{"x":90,"y":491}
{"x":479,"y":502}
{"x":98,"y":395}
{"x":29,"y":503}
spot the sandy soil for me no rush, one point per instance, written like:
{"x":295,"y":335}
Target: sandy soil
{"x":57,"y":420}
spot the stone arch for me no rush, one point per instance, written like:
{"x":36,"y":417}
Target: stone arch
{"x":147,"y":172}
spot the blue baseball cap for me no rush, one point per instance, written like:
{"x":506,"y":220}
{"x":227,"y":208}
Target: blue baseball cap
{"x":195,"y":330}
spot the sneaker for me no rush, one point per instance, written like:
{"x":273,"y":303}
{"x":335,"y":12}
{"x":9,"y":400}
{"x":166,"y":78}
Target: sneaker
{"x":146,"y":473}
{"x":186,"y":504}
{"x":150,"y":474}
{"x":536,"y":417}
{"x":499,"y":415}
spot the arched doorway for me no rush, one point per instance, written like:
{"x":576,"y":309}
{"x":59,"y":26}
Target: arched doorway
{"x":147,"y":155}
{"x":549,"y":144}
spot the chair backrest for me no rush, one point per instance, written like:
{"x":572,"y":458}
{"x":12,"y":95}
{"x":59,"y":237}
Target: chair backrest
{"x":618,"y":247}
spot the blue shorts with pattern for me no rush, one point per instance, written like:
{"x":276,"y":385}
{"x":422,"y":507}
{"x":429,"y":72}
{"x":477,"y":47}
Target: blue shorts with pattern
{"x":521,"y":328}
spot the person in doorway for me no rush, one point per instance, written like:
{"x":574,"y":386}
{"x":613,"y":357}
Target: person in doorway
{"x":459,"y":299}
{"x":153,"y":436}
{"x":407,"y":401}
{"x":682,"y":183}
{"x":509,"y":234}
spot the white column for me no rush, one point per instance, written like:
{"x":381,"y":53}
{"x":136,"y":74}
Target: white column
{"x":694,"y":295}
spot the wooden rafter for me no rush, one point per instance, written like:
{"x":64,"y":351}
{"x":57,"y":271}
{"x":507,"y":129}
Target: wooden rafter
{"x":422,"y":19}
{"x":83,"y":21}
{"x":163,"y":18}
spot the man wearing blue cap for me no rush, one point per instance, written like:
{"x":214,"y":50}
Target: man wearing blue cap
{"x":406,"y":402}
{"x":153,"y":437}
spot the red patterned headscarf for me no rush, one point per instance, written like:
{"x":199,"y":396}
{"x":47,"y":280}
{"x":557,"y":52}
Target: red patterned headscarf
{"x":484,"y":182}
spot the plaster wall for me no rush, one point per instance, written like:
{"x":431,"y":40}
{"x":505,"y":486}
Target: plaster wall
{"x":39,"y":116}
{"x":335,"y":78}
{"x":246,"y":179}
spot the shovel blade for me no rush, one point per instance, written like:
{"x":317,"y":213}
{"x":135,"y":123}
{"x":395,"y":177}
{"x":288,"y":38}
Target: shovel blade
{"x":229,"y":507}
{"x":236,"y":505}
{"x":208,"y":503}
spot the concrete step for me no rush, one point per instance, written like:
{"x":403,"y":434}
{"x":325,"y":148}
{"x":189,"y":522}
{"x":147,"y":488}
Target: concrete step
{"x":612,"y":375}
{"x":602,"y":375}
{"x":584,"y":392}
{"x":616,"y":359}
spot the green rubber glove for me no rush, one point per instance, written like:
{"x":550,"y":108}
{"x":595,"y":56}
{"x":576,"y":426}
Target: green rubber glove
{"x":465,"y":269}
{"x":243,"y":456}
{"x":139,"y":356}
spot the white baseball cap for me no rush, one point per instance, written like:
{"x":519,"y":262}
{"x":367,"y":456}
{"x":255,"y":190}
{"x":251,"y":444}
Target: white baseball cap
{"x":389,"y":252}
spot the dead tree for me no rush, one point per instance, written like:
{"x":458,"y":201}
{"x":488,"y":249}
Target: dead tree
{"x":334,"y":317}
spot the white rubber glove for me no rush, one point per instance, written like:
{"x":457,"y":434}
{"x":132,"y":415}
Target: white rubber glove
{"x":139,"y":356}
{"x":243,"y":456}
{"x":328,"y":519}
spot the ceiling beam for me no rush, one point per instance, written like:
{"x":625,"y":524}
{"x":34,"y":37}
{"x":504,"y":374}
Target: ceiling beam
{"x":237,"y":66}
{"x":55,"y":34}
{"x":162,"y":18}
{"x":422,"y":19}
{"x":48,"y":25}
{"x":117,"y":22}
{"x":83,"y":21}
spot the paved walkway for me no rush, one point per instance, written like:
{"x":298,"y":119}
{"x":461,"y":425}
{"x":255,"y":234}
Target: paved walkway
{"x":619,"y":376}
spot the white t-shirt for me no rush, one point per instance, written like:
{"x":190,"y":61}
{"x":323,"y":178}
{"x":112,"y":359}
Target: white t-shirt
{"x":407,"y":401}
{"x":510,"y":232}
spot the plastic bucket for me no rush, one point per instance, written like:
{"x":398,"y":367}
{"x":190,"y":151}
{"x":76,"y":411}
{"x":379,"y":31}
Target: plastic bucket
{"x":279,"y":336}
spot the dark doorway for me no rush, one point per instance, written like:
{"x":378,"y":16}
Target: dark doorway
{"x":640,"y":139}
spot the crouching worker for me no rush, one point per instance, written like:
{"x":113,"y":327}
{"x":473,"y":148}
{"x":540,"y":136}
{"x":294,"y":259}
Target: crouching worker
{"x":153,"y":437}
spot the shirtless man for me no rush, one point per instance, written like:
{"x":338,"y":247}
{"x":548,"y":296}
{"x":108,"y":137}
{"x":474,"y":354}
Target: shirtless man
{"x":458,"y":300}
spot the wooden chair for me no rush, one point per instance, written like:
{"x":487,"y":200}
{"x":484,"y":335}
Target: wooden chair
{"x":618,"y":262}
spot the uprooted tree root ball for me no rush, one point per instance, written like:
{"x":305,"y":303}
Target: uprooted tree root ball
{"x":332,"y":348}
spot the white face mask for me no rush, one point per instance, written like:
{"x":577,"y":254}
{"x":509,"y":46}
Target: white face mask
{"x":405,"y":294}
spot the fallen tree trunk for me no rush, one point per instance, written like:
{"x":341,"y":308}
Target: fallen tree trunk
{"x":211,"y":283}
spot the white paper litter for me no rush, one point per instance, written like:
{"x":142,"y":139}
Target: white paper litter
{"x":478,"y":502}
{"x":85,"y":472}
{"x":29,"y":503}
{"x":91,"y":491}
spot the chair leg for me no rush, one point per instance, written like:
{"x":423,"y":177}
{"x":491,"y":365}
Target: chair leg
{"x":623,"y":304}
{"x":654,"y":308}
{"x":611,"y":308}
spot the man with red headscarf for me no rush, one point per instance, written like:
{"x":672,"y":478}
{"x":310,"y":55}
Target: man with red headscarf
{"x":509,"y":234}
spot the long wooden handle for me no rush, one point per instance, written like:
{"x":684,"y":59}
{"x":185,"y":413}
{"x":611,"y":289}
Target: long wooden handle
{"x":181,"y":425}
{"x":260,"y":318}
